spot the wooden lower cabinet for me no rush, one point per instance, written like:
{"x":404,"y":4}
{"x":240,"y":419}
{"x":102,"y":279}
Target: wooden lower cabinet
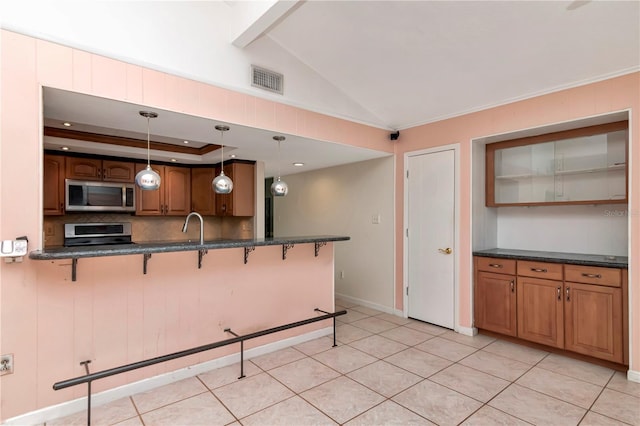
{"x":540,"y":311}
{"x":583,"y":309}
{"x":593,"y":321}
{"x":495,"y":302}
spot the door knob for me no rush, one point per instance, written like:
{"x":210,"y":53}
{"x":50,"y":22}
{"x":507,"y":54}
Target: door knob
{"x":445,"y":251}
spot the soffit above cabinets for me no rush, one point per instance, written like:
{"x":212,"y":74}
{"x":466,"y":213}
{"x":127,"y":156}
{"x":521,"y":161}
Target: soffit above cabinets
{"x":95,"y":115}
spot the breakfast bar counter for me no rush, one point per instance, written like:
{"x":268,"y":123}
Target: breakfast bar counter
{"x":147,"y":249}
{"x":176,"y":246}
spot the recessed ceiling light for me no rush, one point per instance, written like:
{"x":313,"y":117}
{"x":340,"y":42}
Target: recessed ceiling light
{"x":185,"y":142}
{"x":64,"y":148}
{"x":232,"y":156}
{"x":173,"y":160}
{"x":66,"y":124}
{"x":298,"y":164}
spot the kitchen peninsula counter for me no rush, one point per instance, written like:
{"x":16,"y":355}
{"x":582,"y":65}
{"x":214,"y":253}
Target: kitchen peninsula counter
{"x":556,"y":257}
{"x":55,"y":253}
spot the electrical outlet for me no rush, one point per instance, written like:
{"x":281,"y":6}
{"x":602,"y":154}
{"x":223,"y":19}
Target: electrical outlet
{"x":6,"y":364}
{"x":49,"y":230}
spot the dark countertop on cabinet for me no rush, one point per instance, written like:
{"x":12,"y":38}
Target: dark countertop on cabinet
{"x":557,"y":257}
{"x":54,"y":253}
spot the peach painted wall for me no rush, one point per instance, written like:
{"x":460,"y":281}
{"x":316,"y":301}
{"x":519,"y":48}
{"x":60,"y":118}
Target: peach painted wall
{"x":598,"y":98}
{"x":114,"y":314}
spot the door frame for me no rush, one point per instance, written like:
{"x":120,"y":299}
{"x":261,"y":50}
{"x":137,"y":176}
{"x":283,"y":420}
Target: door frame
{"x":456,"y":231}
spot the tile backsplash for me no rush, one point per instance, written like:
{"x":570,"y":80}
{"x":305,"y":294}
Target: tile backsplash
{"x":149,"y":228}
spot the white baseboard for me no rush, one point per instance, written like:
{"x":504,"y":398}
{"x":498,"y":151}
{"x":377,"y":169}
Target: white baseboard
{"x":71,"y":407}
{"x":467,"y":331}
{"x":368,"y":304}
{"x":633,"y":376}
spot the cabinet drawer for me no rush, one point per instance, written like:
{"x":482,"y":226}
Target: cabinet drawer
{"x":492,"y":264}
{"x":550,"y":271}
{"x":610,"y":277}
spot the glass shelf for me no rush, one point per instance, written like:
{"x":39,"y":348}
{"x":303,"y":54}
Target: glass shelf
{"x":581,"y":166}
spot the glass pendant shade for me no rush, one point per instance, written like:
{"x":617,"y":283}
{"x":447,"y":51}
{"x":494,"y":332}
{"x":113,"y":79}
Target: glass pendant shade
{"x":279,"y":188}
{"x":222,"y":184}
{"x":148,"y":179}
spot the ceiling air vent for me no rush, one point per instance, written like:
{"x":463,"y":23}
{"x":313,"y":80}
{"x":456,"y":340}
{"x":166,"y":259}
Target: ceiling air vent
{"x":266,"y":79}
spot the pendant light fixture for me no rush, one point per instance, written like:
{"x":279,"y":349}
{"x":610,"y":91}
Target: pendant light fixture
{"x":222,"y":184}
{"x":279,"y":188}
{"x":148,"y":179}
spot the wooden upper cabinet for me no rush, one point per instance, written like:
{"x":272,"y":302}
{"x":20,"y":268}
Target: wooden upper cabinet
{"x":118,"y":171}
{"x":173,"y":198}
{"x":203,"y":197}
{"x":84,"y":168}
{"x":177,"y":190}
{"x":580,"y":166}
{"x":241,"y":200}
{"x":53,"y":185}
{"x":100,"y":170}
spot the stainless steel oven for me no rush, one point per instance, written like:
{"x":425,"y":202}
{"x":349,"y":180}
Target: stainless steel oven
{"x":90,"y":234}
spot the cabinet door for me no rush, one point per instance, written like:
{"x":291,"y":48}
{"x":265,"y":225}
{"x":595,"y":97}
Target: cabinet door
{"x":241,"y":201}
{"x":593,"y":321}
{"x":244,"y":198}
{"x":150,"y":203}
{"x":495,"y":303}
{"x":53,"y":185}
{"x":84,"y":168}
{"x":224,"y":202}
{"x":177,"y":191}
{"x":203,"y":197}
{"x":118,"y":171}
{"x":540,"y":311}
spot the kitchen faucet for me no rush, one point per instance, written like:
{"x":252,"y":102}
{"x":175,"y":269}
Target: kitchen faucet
{"x":186,"y":223}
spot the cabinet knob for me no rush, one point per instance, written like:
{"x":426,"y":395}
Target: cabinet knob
{"x":495,"y":265}
{"x":513,"y":288}
{"x":539,"y":270}
{"x":559,"y":292}
{"x":568,"y":296}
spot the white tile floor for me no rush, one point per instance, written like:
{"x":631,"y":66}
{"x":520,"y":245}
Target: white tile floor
{"x":388,"y":370}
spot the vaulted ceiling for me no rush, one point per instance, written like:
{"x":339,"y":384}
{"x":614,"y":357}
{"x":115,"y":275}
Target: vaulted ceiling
{"x":411,"y":62}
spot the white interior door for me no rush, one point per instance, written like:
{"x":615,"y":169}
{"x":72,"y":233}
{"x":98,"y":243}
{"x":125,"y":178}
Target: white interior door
{"x":430,"y":237}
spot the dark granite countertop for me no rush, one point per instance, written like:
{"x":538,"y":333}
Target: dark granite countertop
{"x":557,"y":257}
{"x":172,"y":246}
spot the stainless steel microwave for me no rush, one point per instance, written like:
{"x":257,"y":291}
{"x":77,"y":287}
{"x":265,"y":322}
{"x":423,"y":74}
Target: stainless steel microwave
{"x":87,"y":196}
